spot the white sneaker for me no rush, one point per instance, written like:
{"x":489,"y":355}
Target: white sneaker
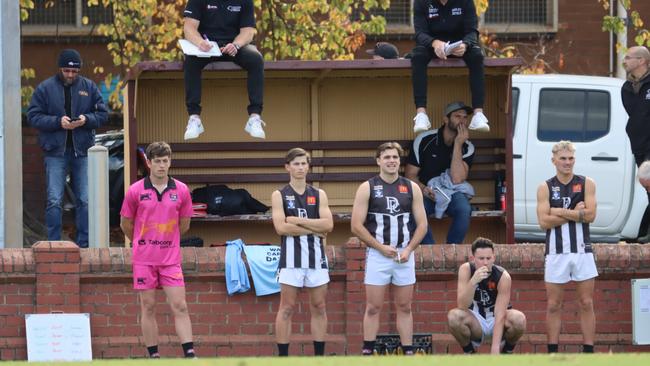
{"x":421,"y":122}
{"x":479,"y":122}
{"x":254,"y":127}
{"x":194,"y":127}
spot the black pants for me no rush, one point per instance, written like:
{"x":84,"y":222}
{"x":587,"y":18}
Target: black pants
{"x":645,"y":221}
{"x":473,"y":57}
{"x":248,"y":58}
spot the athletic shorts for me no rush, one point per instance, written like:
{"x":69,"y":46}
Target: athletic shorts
{"x":562,"y":268}
{"x":146,"y":277}
{"x":381,"y":270}
{"x":487,"y":328}
{"x":304,"y":277}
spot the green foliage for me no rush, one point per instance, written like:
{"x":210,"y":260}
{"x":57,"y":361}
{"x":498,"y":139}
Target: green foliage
{"x":316,"y":29}
{"x":635,"y":22}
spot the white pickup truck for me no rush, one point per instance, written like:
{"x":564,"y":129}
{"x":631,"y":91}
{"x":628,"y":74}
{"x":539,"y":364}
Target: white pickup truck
{"x":588,"y":111}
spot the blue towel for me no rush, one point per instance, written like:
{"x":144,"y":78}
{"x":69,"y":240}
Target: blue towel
{"x":236,"y":274}
{"x":263,"y":261}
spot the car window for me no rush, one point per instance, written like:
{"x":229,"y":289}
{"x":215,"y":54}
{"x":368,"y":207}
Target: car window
{"x":573,"y":114}
{"x":515,"y":106}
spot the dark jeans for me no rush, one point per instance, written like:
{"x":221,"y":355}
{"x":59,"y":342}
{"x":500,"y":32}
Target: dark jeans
{"x":248,"y":58}
{"x":56,"y":170}
{"x":645,"y":221}
{"x":473,"y":57}
{"x":460,"y":212}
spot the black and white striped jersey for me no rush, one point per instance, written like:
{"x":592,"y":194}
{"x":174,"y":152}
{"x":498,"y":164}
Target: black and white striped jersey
{"x":485,"y":293}
{"x":572,"y":237}
{"x":304,"y":251}
{"x":389,"y":218}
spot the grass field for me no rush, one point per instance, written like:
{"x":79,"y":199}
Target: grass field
{"x":602,"y":359}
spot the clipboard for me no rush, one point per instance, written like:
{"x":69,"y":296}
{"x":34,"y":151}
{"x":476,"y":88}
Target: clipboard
{"x":191,"y":49}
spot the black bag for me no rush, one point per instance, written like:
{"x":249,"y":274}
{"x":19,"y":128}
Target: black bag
{"x":225,"y":201}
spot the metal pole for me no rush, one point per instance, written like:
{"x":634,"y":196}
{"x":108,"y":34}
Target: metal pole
{"x":98,"y":197}
{"x":11,"y":155}
{"x":621,"y":38}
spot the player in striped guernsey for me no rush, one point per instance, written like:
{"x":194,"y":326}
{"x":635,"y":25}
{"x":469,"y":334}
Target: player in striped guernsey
{"x":301,"y":216}
{"x":388,"y":216}
{"x":484,"y":309}
{"x":566,"y":204}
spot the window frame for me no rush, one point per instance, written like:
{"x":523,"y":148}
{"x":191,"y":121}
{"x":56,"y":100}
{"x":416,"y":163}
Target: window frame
{"x":513,"y":28}
{"x":57,"y":30}
{"x":585,"y":112}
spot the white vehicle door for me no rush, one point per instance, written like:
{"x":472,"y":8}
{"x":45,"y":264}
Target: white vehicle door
{"x":584,"y":116}
{"x":520,"y":108}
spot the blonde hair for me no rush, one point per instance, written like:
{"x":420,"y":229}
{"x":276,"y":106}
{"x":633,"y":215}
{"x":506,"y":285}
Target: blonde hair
{"x":563,"y":145}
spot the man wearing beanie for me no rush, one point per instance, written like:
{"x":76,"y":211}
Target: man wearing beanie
{"x":66,"y":109}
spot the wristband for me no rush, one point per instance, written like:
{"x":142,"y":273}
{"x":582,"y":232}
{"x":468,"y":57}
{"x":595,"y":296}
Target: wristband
{"x":236,"y":46}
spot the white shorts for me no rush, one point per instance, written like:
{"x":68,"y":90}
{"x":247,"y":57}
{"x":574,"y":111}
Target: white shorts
{"x":562,"y":268}
{"x":487,"y":328}
{"x":304,"y":277}
{"x":381,"y":270}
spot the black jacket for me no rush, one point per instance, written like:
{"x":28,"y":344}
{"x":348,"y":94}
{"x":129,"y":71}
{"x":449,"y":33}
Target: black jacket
{"x":455,"y":21}
{"x":637,"y":107}
{"x":48,"y":106}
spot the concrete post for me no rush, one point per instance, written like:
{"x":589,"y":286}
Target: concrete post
{"x":98,"y":226}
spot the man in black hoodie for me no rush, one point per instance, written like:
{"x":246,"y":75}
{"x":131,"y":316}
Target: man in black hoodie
{"x":636,"y":100}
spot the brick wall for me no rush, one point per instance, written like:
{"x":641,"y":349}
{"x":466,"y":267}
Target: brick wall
{"x":57,"y":276}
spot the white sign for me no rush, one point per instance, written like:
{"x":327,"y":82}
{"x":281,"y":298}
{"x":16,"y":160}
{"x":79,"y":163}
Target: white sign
{"x":58,"y":337}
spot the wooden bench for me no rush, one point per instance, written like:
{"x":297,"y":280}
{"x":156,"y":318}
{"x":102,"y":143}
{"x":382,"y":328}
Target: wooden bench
{"x":334,"y":163}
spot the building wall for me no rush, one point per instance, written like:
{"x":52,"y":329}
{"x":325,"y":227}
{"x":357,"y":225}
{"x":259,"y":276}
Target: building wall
{"x":57,"y":276}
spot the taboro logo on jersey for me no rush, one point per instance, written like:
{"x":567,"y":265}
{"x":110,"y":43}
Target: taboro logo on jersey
{"x":392,"y":204}
{"x":311,"y":200}
{"x":577,"y":188}
{"x":402,"y":188}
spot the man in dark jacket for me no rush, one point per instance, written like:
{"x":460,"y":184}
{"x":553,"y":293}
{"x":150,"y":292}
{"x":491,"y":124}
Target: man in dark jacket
{"x":66,"y":109}
{"x":447,"y":28}
{"x":635,"y":94}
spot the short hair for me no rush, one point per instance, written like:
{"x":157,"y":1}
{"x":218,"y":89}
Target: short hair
{"x":481,"y":242}
{"x":158,"y":149}
{"x":644,"y":171}
{"x":641,"y":51}
{"x":388,"y":146}
{"x":563,"y":145}
{"x":295,"y":153}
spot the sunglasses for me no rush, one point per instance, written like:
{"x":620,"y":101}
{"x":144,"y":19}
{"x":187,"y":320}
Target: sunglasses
{"x":70,"y":71}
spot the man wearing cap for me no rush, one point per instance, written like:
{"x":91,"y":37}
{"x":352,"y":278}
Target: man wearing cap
{"x":384,"y":51}
{"x":66,"y":109}
{"x":447,"y":28}
{"x":435,"y":151}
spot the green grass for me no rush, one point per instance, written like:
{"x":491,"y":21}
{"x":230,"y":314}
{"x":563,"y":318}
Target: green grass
{"x":601,"y":359}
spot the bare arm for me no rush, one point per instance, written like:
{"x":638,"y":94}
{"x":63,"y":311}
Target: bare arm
{"x":184,"y":225}
{"x":126,"y":224}
{"x":245,"y":36}
{"x":584,"y":211}
{"x":191,"y":33}
{"x":282,"y":227}
{"x":546,"y":219}
{"x":359,"y":213}
{"x":466,"y":287}
{"x":322,"y":225}
{"x":500,"y":311}
{"x":411,"y":172}
{"x":458,"y":169}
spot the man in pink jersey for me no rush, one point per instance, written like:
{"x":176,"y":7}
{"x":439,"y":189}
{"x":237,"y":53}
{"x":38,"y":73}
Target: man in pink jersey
{"x":155,"y":212}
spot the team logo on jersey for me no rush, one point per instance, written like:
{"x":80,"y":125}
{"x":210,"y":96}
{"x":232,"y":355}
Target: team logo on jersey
{"x":378,"y":191}
{"x":141,"y":280}
{"x":142,"y":242}
{"x":566,"y":202}
{"x":433,"y":12}
{"x":392,"y":204}
{"x":291,"y":201}
{"x":577,"y":188}
{"x":457,"y":11}
{"x":402,"y":188}
{"x":492,"y":285}
{"x":311,"y":200}
{"x":234,"y":8}
{"x":83,"y":93}
{"x":145,"y":196}
{"x":302,"y":213}
{"x":484,"y":297}
{"x":212,"y":7}
{"x":173,"y":197}
{"x":555,"y":193}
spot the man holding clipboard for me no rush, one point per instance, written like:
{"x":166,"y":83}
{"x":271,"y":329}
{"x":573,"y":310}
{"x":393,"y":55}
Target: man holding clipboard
{"x":231,"y":25}
{"x":447,"y":28}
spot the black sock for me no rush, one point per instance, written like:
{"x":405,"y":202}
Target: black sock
{"x":283,"y":349}
{"x":587,"y":348}
{"x":469,"y":348}
{"x":188,"y":349}
{"x":508,"y":348}
{"x":408,"y":350}
{"x":368,"y":348}
{"x":552,"y":348}
{"x":319,"y":348}
{"x":153,"y":351}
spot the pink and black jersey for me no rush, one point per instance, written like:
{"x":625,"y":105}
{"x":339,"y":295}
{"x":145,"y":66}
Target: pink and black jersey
{"x":156,"y":236}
